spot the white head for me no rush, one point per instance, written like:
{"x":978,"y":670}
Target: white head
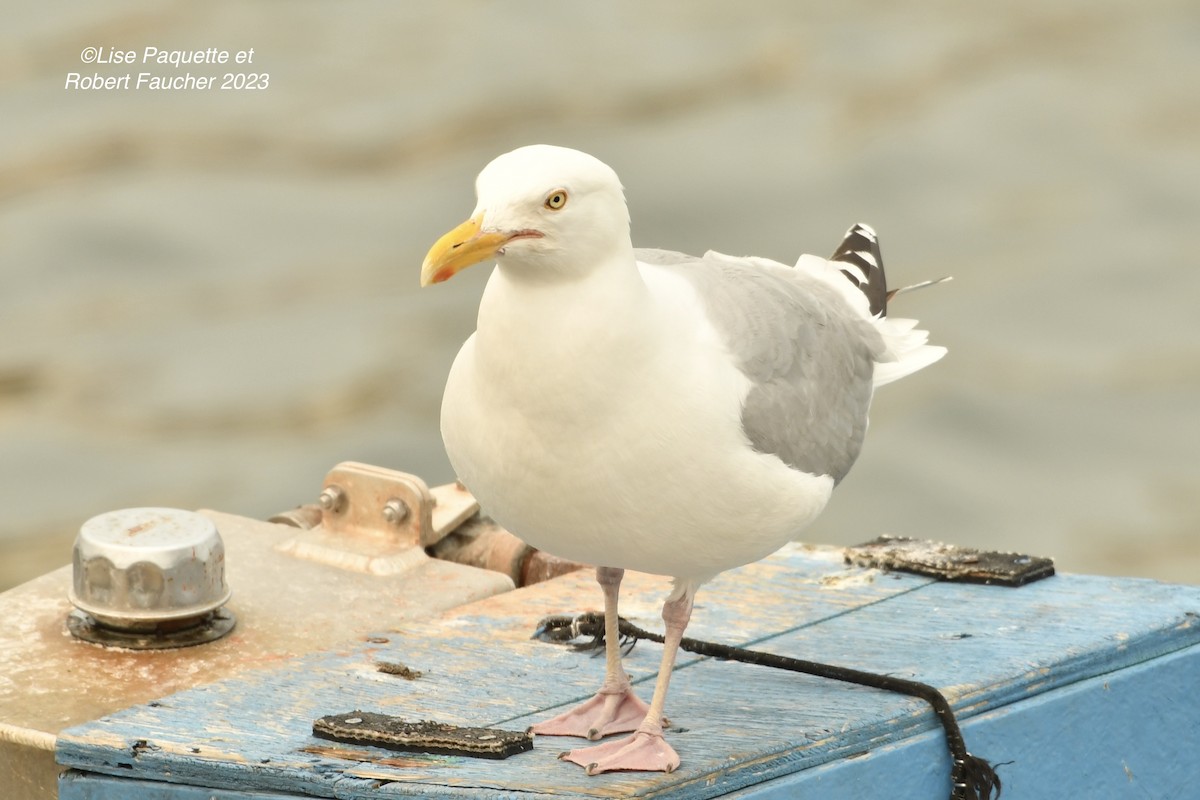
{"x":542,"y":210}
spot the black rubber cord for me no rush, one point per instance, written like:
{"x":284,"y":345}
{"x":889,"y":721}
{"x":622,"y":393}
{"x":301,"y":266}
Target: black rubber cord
{"x":972,"y":778}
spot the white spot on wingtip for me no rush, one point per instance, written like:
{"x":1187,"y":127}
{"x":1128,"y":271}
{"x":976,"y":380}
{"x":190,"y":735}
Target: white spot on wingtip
{"x":867,"y":257}
{"x":865,"y":229}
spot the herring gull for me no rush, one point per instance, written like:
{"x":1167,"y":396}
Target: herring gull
{"x":649,"y":410}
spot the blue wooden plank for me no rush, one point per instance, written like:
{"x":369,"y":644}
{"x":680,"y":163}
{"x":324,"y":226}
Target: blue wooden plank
{"x":986,"y":646}
{"x":1129,"y":734}
{"x":74,"y":785}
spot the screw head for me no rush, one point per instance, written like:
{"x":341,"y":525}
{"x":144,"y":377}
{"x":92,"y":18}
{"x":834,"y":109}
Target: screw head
{"x":395,"y":511}
{"x":332,"y":498}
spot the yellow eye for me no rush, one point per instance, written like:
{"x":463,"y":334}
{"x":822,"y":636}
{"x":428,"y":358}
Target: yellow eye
{"x":556,"y":199}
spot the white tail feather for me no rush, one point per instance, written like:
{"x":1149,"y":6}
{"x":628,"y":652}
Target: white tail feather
{"x":906,"y":344}
{"x":906,"y":348}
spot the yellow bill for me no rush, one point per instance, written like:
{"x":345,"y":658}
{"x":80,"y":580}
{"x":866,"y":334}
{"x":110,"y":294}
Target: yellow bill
{"x":460,"y":248}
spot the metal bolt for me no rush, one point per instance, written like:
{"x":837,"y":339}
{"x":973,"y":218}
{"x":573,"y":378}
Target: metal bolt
{"x":332,"y":498}
{"x":395,"y":511}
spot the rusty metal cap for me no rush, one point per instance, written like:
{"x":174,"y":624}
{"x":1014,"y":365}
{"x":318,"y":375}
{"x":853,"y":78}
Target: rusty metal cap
{"x":139,"y":568}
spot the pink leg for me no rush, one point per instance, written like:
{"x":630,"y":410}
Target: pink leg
{"x":615,"y":708}
{"x":646,"y":750}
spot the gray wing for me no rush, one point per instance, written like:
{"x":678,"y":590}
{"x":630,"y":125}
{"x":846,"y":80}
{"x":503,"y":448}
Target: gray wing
{"x":809,"y":356}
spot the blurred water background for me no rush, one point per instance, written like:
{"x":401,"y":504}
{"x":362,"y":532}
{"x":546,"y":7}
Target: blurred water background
{"x":209,"y":298}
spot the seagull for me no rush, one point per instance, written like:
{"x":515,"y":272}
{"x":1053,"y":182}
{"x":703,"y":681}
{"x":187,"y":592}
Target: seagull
{"x":650,"y":410}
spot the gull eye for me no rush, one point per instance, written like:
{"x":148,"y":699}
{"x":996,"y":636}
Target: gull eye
{"x":556,"y":199}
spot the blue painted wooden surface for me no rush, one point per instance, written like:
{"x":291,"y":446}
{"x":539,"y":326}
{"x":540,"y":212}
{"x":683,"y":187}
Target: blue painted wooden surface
{"x":85,"y":786}
{"x":1128,"y":734}
{"x":1022,"y":665}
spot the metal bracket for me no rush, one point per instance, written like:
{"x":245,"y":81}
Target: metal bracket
{"x":378,"y":520}
{"x":361,"y":500}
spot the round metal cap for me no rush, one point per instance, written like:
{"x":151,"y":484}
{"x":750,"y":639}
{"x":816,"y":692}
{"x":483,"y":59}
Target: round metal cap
{"x":148,"y":570}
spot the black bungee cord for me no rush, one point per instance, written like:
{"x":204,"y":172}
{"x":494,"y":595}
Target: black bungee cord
{"x":972,"y":778}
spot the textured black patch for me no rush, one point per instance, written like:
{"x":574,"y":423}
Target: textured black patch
{"x":381,"y":730}
{"x":949,"y":562}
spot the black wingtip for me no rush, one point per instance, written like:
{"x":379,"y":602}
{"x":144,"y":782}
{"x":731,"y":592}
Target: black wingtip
{"x":860,"y":250}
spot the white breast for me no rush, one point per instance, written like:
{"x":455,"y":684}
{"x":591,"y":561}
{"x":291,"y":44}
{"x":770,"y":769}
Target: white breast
{"x":607,"y":430}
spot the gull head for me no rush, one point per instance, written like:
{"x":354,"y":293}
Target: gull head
{"x":543,"y":211}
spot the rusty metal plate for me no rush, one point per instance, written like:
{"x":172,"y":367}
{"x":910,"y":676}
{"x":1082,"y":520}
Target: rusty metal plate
{"x":375,"y":520}
{"x":377,"y":503}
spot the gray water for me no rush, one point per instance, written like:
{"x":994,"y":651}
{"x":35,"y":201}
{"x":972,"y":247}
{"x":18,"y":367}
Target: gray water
{"x":210,"y":297}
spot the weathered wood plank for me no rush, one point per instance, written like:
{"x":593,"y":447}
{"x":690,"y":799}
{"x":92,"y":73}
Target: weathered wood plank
{"x":1118,"y":736}
{"x":84,"y":786}
{"x":986,"y":646}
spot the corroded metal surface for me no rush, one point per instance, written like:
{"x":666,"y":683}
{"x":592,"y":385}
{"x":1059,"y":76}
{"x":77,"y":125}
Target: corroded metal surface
{"x":480,"y":542}
{"x":202,"y":630}
{"x":286,"y":607}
